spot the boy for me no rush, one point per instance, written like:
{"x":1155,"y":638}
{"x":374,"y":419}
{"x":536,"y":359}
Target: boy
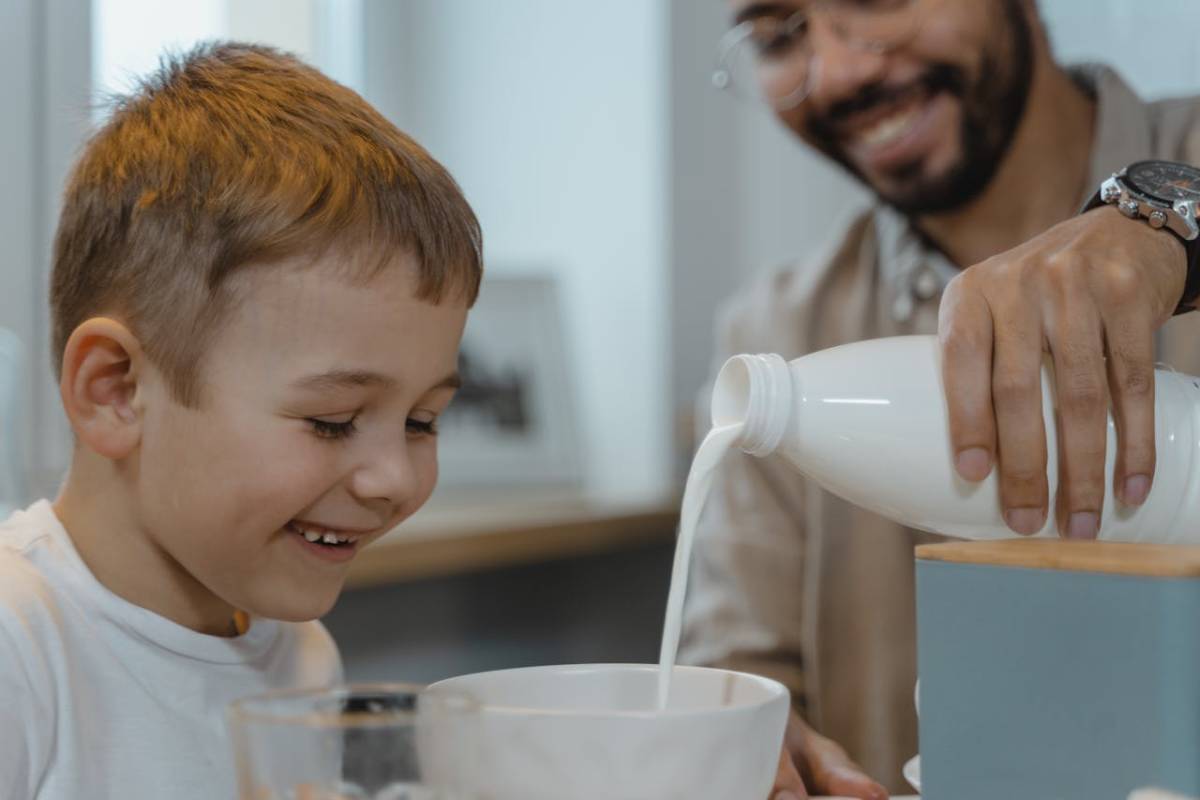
{"x":258,"y":294}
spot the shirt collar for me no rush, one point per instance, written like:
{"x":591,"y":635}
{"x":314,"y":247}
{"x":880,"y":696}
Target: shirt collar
{"x":913,"y":272}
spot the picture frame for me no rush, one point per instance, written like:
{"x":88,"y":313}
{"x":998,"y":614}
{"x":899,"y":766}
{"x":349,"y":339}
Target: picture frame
{"x":513,"y":422}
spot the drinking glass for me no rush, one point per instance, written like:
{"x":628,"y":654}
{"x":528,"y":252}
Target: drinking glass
{"x":357,"y":742}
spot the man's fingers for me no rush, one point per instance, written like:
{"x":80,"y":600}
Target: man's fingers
{"x":833,"y":773}
{"x":845,"y":781}
{"x":788,"y":785}
{"x":965,"y":336}
{"x":1081,"y":393}
{"x":1020,"y":430}
{"x":1131,"y":384}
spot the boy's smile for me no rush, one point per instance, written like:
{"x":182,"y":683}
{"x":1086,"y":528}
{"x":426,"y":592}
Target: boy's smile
{"x":315,"y":434}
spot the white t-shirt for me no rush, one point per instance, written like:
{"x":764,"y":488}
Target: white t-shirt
{"x":100,"y":698}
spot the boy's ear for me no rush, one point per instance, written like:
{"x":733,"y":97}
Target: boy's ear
{"x":101,"y":369}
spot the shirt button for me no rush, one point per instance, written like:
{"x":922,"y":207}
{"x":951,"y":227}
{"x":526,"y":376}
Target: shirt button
{"x":927,"y":285}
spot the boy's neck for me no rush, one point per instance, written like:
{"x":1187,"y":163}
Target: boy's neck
{"x":1039,"y":182}
{"x":95,"y":508}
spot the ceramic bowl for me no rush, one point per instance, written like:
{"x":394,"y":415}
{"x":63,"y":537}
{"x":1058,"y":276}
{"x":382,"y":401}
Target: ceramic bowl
{"x":591,"y":732}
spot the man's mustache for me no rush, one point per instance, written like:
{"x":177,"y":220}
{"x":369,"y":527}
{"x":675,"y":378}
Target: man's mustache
{"x":938,"y":78}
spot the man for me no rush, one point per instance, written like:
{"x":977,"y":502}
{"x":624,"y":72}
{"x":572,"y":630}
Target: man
{"x":981,"y":150}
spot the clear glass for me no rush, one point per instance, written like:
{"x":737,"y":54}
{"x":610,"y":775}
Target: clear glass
{"x":769,"y":58}
{"x":358,"y":742}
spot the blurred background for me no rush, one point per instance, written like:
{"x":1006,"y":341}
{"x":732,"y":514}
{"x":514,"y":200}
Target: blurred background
{"x":621,"y":197}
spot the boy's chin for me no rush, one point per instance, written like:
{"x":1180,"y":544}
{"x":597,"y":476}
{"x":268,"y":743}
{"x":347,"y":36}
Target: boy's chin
{"x":314,"y":604}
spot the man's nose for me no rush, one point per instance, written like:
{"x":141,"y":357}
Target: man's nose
{"x":841,"y":68}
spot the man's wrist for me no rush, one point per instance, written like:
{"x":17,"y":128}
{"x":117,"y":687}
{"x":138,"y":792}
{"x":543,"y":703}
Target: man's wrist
{"x":1190,"y":249}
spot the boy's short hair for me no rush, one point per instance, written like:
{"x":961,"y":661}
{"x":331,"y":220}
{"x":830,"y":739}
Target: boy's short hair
{"x":235,"y":154}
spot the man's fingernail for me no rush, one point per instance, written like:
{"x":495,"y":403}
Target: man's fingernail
{"x":1135,"y":490}
{"x":1083,"y":525}
{"x":1025,"y":520}
{"x":974,"y":463}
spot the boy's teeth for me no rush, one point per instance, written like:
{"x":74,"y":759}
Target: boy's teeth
{"x":318,"y":535}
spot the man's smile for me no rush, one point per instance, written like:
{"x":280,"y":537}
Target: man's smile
{"x":901,"y":133}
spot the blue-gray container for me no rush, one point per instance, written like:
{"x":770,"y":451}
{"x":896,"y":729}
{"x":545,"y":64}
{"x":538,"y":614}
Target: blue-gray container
{"x":1058,"y":670}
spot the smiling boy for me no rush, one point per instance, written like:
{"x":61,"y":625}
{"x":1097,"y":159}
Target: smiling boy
{"x":258,"y":294}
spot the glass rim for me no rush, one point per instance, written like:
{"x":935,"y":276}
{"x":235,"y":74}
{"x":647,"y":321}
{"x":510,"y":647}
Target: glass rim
{"x":263,"y":707}
{"x":729,"y":73}
{"x":733,"y":47}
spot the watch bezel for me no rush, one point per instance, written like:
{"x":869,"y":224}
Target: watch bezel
{"x":1181,"y":215}
{"x":1133,"y":177}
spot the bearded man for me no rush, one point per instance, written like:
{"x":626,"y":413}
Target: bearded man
{"x":981,"y":151}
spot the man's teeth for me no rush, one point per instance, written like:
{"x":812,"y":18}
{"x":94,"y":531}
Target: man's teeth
{"x":888,"y":129}
{"x":316,"y":535}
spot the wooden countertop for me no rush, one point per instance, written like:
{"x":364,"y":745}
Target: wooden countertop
{"x":1118,"y":558}
{"x":462,"y":531}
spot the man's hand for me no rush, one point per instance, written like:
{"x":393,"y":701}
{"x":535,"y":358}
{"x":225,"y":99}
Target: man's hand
{"x":809,"y":759}
{"x":1091,"y":292}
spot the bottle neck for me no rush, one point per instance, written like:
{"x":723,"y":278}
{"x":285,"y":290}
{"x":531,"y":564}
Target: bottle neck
{"x":754,"y":391}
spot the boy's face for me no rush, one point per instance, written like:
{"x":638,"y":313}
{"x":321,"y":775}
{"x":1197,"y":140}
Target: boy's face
{"x":318,"y":415}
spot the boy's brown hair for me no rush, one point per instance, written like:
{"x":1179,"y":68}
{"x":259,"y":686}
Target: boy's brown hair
{"x":235,"y":154}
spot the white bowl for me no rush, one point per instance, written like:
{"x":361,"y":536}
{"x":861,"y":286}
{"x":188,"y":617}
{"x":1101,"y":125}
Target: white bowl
{"x":590,"y":732}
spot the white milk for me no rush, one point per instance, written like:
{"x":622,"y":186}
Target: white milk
{"x":718,"y":442}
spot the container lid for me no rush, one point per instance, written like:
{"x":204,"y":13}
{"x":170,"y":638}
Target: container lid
{"x":1117,"y":558}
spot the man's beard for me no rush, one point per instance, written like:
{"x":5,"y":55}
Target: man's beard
{"x":992,"y":108}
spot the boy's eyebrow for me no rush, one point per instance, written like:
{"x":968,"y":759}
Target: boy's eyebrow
{"x":346,"y":378}
{"x":341,"y":379}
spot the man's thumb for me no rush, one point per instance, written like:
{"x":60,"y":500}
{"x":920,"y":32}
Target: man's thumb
{"x":849,"y":782}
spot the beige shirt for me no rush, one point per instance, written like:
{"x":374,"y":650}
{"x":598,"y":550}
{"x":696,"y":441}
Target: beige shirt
{"x":792,"y":582}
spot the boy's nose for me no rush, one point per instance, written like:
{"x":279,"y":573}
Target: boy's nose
{"x":388,"y":474}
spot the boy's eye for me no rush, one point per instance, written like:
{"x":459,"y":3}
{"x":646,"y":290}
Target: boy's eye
{"x":422,"y":427}
{"x":327,"y":429}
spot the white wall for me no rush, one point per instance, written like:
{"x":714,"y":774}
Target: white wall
{"x":1155,"y":44}
{"x":551,"y":116}
{"x":44,"y":53}
{"x":19,"y":208}
{"x":129,"y":36}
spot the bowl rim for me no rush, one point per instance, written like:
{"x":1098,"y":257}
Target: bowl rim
{"x":776,"y":691}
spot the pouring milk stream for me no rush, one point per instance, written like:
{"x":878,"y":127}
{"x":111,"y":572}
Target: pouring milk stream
{"x":867,"y":422}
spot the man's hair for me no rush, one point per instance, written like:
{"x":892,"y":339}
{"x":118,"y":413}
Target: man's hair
{"x":235,"y":154}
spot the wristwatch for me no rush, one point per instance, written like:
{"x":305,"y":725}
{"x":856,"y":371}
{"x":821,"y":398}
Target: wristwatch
{"x":1167,"y":195}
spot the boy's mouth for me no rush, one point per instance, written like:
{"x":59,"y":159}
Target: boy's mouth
{"x":322,"y":537}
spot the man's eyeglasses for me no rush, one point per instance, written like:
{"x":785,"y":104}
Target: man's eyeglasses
{"x":769,"y":56}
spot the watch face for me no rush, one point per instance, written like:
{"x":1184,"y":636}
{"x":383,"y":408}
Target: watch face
{"x":1164,"y":180}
